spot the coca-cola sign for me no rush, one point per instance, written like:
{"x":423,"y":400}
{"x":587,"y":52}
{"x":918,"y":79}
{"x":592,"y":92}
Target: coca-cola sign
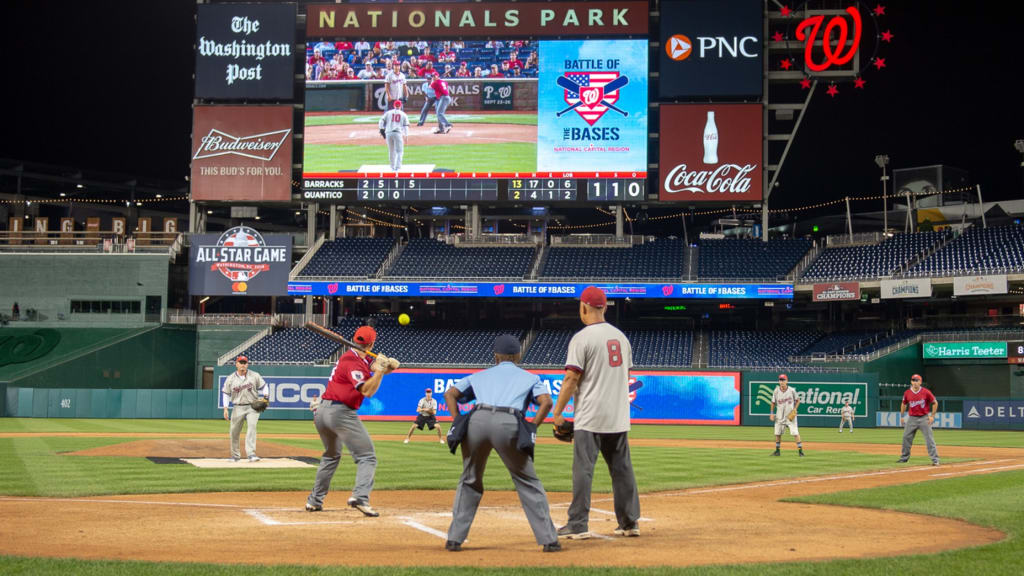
{"x":710,"y":153}
{"x":242,"y":153}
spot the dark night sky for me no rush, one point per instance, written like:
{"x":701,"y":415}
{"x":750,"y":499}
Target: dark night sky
{"x":108,"y":86}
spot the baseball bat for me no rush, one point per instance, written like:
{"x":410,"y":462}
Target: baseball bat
{"x":567,"y":110}
{"x":331,"y":335}
{"x":624,"y":113}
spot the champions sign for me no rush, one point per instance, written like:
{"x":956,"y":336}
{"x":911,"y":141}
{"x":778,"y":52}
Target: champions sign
{"x":836,"y":292}
{"x":239,"y":262}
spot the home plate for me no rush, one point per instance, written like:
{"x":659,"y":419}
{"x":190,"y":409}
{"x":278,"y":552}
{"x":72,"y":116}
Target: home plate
{"x":407,"y":169}
{"x":244,"y":463}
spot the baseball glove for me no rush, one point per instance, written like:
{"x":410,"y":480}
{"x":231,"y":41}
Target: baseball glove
{"x":260,"y":404}
{"x":792,"y":415}
{"x":564,"y":432}
{"x":382,"y":133}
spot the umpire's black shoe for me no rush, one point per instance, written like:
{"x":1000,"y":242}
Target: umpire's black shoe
{"x":453,"y":546}
{"x":553,"y":547}
{"x":776,"y":453}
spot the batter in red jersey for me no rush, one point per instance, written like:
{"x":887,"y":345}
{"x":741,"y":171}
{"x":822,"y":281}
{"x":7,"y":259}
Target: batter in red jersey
{"x":921,"y":404}
{"x":337,"y":421}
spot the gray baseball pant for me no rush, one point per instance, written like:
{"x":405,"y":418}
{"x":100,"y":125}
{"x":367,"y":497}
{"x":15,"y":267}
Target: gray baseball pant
{"x":845,"y":421}
{"x":340,"y":426}
{"x":396,"y":148}
{"x":426,"y":106}
{"x":498,"y":431}
{"x":915,"y":423}
{"x":614,"y":447}
{"x":239,"y":416}
{"x":442,"y":105}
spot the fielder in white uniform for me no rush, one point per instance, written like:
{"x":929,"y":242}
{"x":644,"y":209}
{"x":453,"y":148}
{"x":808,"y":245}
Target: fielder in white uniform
{"x":846,"y":417}
{"x":396,"y":88}
{"x":394,"y":127}
{"x":426,"y":415}
{"x":784,"y":402}
{"x":241,"y":389}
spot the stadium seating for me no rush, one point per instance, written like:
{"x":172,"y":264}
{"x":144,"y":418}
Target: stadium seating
{"x":651,"y":348}
{"x":348,"y":258}
{"x":750,"y":348}
{"x":835,"y":343}
{"x":977,"y":251}
{"x":747,"y":258}
{"x":427,"y":258}
{"x":291,"y":345}
{"x":879,"y":260}
{"x":662,"y":259}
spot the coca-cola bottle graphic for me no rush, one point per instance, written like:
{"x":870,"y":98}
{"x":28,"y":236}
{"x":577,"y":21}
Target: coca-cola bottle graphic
{"x":711,"y":140}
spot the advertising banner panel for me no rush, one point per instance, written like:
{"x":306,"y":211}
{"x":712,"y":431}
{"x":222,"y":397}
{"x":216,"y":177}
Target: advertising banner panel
{"x":906,"y":288}
{"x":242,"y":153}
{"x":540,"y":290}
{"x":953,"y":350}
{"x":655,"y":397}
{"x":836,"y":292}
{"x":710,"y":153}
{"x":711,"y":48}
{"x":245,"y":51}
{"x":979,"y":285}
{"x":239,"y":262}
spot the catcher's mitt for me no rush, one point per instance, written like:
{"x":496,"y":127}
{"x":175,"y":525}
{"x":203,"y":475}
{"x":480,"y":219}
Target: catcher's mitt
{"x":563,"y":432}
{"x":792,"y":415}
{"x":260,"y":404}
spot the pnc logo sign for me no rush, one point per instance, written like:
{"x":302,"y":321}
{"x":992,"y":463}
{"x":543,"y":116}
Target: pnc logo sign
{"x":679,"y":47}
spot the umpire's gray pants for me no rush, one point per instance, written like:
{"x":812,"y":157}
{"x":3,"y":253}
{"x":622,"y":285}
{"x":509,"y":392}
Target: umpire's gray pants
{"x":396,"y":148}
{"x":339,"y":426}
{"x":915,"y":423}
{"x":442,"y":104}
{"x":241,"y":415}
{"x":427,"y":104}
{"x":615,"y":449}
{"x":499,"y":431}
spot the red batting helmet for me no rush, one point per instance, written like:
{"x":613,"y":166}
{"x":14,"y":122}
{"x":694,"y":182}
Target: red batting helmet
{"x":397,"y":104}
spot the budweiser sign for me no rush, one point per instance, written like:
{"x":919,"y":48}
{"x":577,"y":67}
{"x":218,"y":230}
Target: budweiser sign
{"x":726,"y":179}
{"x":242,"y":153}
{"x":836,"y":292}
{"x":711,"y":152}
{"x":258,"y":146}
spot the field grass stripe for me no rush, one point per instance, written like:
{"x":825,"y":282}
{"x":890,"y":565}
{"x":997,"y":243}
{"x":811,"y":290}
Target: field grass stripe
{"x":110,"y":501}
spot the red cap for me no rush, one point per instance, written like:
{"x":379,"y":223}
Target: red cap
{"x":464,"y":63}
{"x":365,"y":336}
{"x":594,"y":297}
{"x":242,"y":359}
{"x":428,"y":389}
{"x":397,"y":104}
{"x":783,"y":377}
{"x":915,"y":377}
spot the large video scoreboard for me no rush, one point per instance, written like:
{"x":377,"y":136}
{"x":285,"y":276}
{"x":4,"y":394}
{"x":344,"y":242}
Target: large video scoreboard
{"x":443,"y":188}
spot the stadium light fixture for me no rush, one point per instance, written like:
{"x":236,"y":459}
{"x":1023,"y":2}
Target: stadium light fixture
{"x":882,"y":160}
{"x":79,"y":186}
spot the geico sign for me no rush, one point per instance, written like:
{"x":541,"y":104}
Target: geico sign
{"x":679,"y":47}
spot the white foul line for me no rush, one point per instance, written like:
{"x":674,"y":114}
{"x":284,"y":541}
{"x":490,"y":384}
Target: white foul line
{"x":414,"y":524}
{"x":981,"y":470}
{"x":262,"y":517}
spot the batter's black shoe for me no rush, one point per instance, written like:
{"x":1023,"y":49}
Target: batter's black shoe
{"x":801,"y":453}
{"x":553,"y":547}
{"x":901,"y":461}
{"x":363,"y":507}
{"x":777,"y":453}
{"x":312,"y":508}
{"x":453,"y":546}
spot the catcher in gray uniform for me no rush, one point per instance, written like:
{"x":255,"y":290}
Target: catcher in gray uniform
{"x":246,"y":391}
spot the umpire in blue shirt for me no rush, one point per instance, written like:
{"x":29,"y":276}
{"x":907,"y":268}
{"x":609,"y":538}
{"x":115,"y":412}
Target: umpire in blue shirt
{"x":501,"y":393}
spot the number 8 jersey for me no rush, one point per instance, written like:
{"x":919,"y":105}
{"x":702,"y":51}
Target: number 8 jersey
{"x":602,"y":356}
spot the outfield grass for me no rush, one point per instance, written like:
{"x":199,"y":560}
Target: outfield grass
{"x":414,"y":116}
{"x":475,"y":157}
{"x":993,"y":438}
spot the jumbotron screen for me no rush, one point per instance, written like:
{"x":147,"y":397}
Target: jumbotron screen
{"x":567,"y":108}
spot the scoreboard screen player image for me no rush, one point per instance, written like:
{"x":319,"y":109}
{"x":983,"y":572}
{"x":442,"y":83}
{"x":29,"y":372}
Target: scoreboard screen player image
{"x":592,"y":110}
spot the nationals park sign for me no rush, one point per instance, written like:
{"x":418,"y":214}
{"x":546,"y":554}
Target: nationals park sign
{"x":816,"y":398}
